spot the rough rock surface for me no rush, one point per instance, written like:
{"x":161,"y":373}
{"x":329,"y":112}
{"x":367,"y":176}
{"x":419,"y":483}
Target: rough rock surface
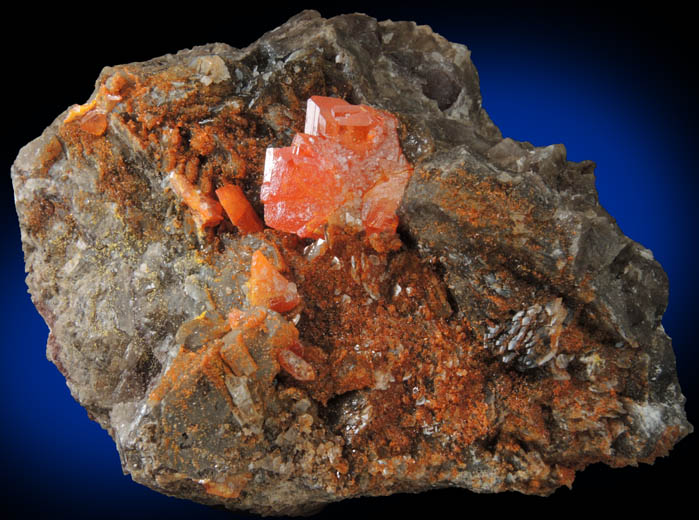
{"x":514,"y":338}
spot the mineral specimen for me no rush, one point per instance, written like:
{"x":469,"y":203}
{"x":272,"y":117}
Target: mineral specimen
{"x":434,"y":305}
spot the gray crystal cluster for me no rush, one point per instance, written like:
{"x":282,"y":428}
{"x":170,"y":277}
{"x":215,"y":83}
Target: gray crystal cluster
{"x":532,"y":276}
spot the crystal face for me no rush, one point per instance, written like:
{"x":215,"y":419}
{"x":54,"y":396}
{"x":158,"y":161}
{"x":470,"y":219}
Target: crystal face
{"x":346,"y":169}
{"x":238,"y":209}
{"x":207,"y":211}
{"x":268,"y":288}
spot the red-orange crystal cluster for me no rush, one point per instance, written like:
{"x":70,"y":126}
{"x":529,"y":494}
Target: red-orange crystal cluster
{"x":346,"y":169}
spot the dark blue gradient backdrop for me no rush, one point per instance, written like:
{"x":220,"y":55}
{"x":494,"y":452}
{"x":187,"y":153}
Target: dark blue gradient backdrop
{"x":613,"y":87}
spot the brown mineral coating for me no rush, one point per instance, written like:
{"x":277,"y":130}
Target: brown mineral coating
{"x":432,"y":360}
{"x":405,"y":395}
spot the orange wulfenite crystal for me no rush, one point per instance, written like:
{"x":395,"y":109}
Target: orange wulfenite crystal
{"x":239,"y":209}
{"x":207,"y":211}
{"x":268,"y":288}
{"x":347,"y":169}
{"x":94,"y":122}
{"x":93,"y":115}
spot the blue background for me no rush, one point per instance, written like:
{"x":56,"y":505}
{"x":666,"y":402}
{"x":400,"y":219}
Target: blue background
{"x":614,"y":87}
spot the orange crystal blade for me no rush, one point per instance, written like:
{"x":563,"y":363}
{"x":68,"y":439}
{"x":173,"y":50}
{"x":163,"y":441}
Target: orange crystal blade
{"x":207,"y":211}
{"x":239,"y":209}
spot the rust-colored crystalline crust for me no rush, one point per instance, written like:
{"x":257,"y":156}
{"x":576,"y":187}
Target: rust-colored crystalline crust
{"x":424,"y":304}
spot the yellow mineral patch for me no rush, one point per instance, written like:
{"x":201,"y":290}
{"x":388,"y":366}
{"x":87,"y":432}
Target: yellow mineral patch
{"x":79,"y":110}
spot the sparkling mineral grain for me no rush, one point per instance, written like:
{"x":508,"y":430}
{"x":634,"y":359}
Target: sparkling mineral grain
{"x":429,"y":304}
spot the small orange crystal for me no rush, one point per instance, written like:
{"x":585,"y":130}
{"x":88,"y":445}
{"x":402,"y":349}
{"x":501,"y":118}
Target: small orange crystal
{"x":347,"y":169}
{"x":268,"y":288}
{"x":93,"y":115}
{"x":207,"y":211}
{"x":239,"y":209}
{"x":94,"y":122}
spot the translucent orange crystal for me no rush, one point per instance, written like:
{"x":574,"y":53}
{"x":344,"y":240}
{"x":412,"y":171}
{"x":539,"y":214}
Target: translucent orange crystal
{"x":94,"y":122}
{"x":239,"y":209}
{"x":347,"y":169}
{"x":268,"y":288}
{"x":93,"y":115}
{"x":207,"y":211}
